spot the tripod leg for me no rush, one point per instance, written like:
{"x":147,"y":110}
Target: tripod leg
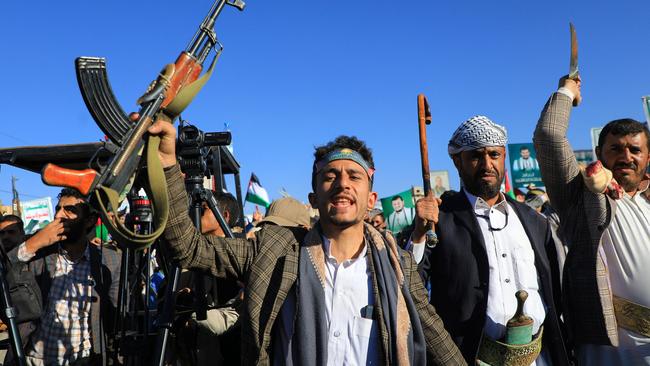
{"x":166,"y":318}
{"x":10,"y":313}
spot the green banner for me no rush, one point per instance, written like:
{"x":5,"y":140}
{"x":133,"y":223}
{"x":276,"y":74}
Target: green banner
{"x":524,"y":166}
{"x":399,"y":211}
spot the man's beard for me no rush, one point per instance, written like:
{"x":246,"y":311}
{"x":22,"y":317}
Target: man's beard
{"x":629,"y":182}
{"x":480,"y":188}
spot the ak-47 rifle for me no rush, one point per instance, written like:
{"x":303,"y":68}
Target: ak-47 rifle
{"x":166,"y":97}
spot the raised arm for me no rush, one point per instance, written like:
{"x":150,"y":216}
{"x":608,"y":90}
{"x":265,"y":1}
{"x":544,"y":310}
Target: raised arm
{"x":224,"y":258}
{"x":557,"y":162}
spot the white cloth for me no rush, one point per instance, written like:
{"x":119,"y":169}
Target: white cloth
{"x":475,"y":133}
{"x":626,"y":244}
{"x":417,"y":249}
{"x":23,"y":255}
{"x":352,"y":339}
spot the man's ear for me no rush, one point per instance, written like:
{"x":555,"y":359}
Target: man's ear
{"x":312,"y":200}
{"x":91,"y":220}
{"x":372,"y":199}
{"x":598,"y":153}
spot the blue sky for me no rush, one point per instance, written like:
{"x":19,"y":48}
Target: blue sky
{"x":295,"y":74}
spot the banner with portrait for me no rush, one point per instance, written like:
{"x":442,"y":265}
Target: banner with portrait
{"x":399,"y":211}
{"x":524,"y":166}
{"x":439,"y":182}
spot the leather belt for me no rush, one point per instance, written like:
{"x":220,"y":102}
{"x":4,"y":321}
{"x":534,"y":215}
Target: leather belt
{"x":632,"y":316}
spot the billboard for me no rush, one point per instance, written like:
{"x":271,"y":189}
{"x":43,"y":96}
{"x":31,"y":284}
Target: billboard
{"x":36,"y":214}
{"x":584,"y":157}
{"x":595,"y":132}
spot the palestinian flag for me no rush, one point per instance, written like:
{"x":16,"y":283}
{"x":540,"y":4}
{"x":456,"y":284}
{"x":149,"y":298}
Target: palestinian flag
{"x":256,"y":193}
{"x":508,"y":188}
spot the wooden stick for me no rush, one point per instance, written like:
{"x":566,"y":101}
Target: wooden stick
{"x":424,"y":118}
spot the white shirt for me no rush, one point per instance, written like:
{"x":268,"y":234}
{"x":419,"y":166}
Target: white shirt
{"x":626,"y":245}
{"x":511,"y":263}
{"x":352,"y":339}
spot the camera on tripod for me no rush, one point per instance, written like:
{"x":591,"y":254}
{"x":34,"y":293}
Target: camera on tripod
{"x":193,"y":148}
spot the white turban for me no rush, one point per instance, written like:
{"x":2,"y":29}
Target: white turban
{"x":475,"y":133}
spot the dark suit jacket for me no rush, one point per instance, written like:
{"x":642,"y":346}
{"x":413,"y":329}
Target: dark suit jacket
{"x":269,"y":268}
{"x":458,"y":271}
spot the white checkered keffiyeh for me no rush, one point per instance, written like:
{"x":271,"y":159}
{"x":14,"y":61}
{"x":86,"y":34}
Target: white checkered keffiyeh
{"x":475,"y":133}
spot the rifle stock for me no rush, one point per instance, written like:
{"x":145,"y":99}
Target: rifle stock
{"x":81,"y":180}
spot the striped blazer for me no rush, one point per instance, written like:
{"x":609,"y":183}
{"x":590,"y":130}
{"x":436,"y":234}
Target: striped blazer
{"x":584,"y":216}
{"x":269,"y":268}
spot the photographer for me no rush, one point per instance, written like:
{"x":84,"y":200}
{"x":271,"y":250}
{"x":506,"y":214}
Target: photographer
{"x":209,"y":333}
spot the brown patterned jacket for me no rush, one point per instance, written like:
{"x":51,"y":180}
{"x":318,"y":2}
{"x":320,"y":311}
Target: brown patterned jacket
{"x":584,"y":216}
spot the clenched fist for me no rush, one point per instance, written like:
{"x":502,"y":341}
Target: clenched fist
{"x":426,"y":210}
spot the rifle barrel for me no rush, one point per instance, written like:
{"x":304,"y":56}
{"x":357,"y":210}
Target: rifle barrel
{"x":202,"y":39}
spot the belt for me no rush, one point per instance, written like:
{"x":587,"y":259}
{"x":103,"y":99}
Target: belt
{"x":632,"y":316}
{"x":493,"y":352}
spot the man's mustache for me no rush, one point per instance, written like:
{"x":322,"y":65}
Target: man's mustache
{"x":487,"y":172}
{"x":632,"y":166}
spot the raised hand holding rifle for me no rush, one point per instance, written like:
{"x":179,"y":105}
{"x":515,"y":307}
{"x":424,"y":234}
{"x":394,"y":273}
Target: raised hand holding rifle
{"x":426,"y":208}
{"x":165,"y":99}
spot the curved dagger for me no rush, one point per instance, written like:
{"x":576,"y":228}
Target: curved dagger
{"x":573,"y":65}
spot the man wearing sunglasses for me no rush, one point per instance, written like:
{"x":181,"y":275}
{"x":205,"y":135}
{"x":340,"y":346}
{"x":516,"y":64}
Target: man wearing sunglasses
{"x":79,"y":283}
{"x":487,"y":248}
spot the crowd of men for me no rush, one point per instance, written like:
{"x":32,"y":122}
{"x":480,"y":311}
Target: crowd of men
{"x":343,"y":290}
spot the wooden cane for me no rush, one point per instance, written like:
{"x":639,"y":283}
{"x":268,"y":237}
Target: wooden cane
{"x":424,"y":118}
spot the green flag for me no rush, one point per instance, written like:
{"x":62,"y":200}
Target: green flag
{"x":256,"y":193}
